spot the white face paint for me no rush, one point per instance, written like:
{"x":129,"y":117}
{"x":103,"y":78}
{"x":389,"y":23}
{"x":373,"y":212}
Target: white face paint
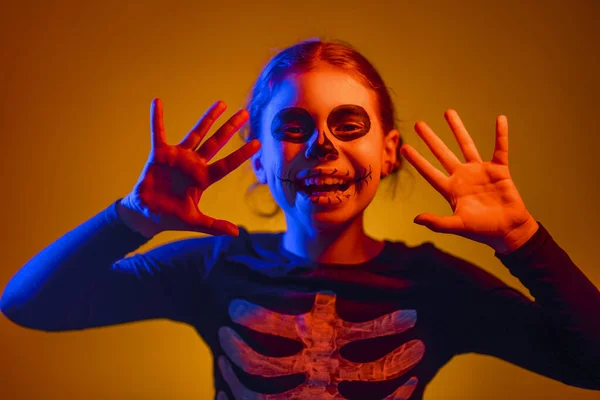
{"x":324,"y":123}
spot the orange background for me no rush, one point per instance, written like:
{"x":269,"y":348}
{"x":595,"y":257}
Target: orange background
{"x":77,"y":81}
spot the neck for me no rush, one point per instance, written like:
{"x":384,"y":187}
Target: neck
{"x":346,"y":244}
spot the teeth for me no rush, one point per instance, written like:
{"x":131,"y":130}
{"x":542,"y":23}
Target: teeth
{"x":324,"y":181}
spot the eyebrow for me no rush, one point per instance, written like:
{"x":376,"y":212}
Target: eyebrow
{"x":338,"y":111}
{"x":292,"y":112}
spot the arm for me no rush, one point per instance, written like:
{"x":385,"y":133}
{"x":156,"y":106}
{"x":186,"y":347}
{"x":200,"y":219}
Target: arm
{"x":557,"y":336}
{"x":82,"y":280}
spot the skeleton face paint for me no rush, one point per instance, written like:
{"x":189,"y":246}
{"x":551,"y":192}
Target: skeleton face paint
{"x":349,"y":122}
{"x":322,"y":120}
{"x":324,"y":150}
{"x":332,"y":194}
{"x":346,"y":122}
{"x":292,"y":124}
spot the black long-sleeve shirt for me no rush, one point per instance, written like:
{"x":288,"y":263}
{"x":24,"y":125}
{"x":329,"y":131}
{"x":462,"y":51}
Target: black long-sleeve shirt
{"x":282,"y":326}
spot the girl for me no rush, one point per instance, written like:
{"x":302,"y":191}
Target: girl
{"x":321,"y":310}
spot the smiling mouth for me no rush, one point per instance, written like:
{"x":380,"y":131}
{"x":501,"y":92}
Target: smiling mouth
{"x":323,"y":190}
{"x":336,"y":191}
{"x":325,"y":194}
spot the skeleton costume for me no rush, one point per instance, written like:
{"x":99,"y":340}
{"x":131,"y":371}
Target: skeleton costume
{"x":281,"y":328}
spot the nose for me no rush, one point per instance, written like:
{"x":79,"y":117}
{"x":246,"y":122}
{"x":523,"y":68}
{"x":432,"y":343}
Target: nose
{"x":325,"y":151}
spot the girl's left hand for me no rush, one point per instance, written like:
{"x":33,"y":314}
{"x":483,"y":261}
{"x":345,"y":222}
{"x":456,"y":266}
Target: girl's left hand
{"x":486,"y":204}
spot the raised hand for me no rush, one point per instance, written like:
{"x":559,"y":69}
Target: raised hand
{"x":175,"y":176}
{"x":486,"y":204}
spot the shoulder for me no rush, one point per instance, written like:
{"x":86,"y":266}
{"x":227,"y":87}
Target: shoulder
{"x":194,"y":246}
{"x":434,"y":264}
{"x":195,"y":253}
{"x":458,"y":270}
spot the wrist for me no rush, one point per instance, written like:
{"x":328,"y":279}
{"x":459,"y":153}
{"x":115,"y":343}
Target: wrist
{"x":136,"y":221}
{"x":517,"y":237}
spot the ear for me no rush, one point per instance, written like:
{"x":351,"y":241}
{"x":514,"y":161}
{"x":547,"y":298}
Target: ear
{"x":390,"y":144}
{"x":258,"y":167}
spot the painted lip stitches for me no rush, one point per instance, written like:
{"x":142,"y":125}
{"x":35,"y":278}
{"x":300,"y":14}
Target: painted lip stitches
{"x":314,"y":175}
{"x":323,"y":176}
{"x":330,"y":176}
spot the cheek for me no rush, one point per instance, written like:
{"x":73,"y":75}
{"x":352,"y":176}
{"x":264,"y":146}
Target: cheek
{"x":290,"y":151}
{"x":280,"y":156}
{"x":363,"y":150}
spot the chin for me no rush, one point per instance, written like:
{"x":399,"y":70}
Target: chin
{"x":322,"y":214}
{"x":329,"y":219}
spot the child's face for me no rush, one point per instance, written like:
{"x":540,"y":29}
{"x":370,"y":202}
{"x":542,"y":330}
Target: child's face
{"x":325,"y":121}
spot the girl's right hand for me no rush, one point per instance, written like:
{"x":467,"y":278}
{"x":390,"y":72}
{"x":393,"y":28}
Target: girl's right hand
{"x":169,"y":189}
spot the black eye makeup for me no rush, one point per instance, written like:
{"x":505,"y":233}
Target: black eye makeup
{"x":349,"y":122}
{"x":346,"y":122}
{"x":292,"y":124}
